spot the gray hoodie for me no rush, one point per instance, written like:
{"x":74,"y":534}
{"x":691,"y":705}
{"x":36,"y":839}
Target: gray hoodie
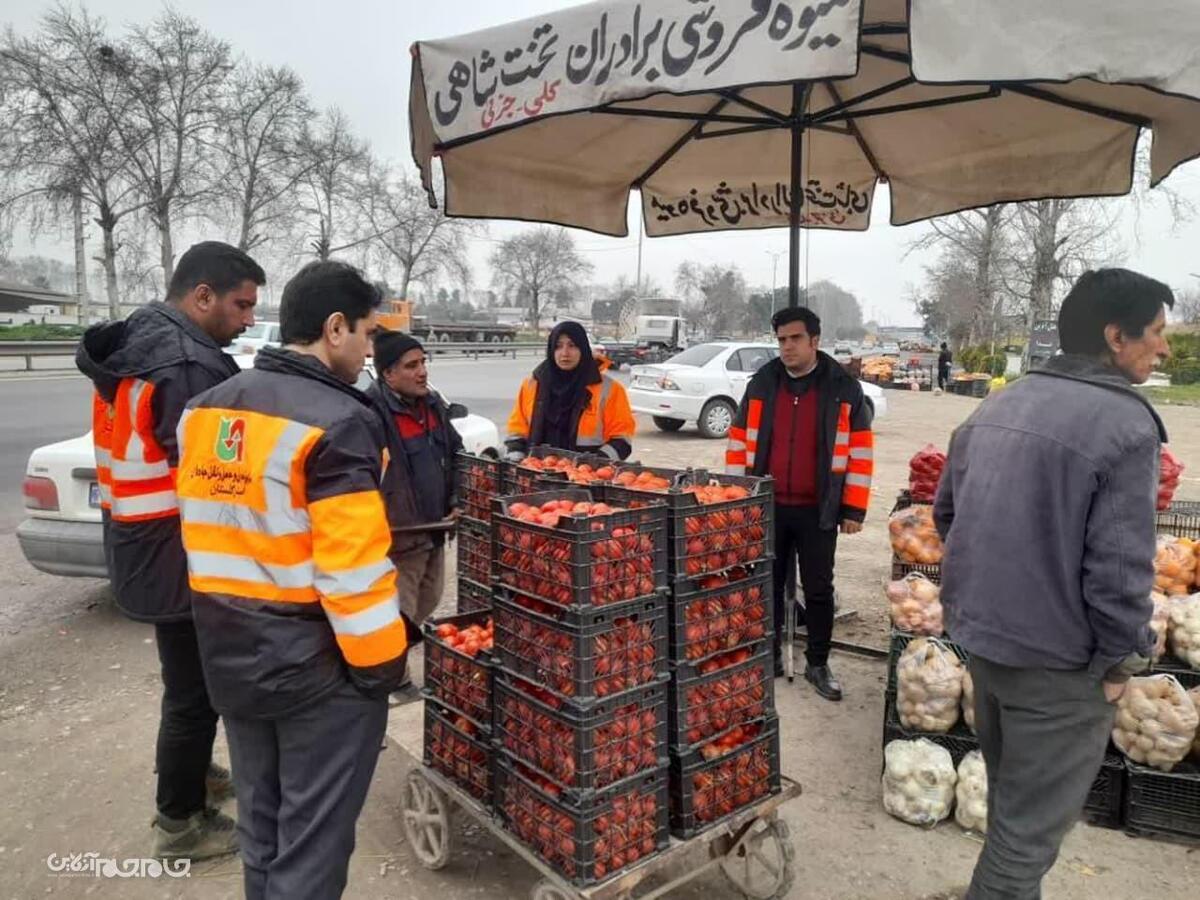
{"x":1046,"y":506}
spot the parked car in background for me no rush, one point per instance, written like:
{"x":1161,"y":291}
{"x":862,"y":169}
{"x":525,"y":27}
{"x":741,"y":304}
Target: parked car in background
{"x":63,"y":534}
{"x":258,"y":335}
{"x":704,"y":384}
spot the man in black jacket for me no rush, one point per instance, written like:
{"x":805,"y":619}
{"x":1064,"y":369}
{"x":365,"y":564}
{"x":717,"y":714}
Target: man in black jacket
{"x":145,"y":371}
{"x":806,"y":423}
{"x":419,"y":486}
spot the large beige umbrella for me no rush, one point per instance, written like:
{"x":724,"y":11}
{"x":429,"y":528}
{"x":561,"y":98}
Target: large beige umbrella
{"x":760,"y":113}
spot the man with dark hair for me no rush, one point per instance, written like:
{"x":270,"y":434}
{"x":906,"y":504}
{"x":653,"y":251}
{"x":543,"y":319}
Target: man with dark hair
{"x":806,"y":423}
{"x":944,"y":360}
{"x":145,"y":370}
{"x":300,"y":628}
{"x":419,"y":486}
{"x":1046,"y":507}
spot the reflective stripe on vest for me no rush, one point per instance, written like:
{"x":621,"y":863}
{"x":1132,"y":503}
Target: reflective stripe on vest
{"x":102,"y":429}
{"x":142,"y":482}
{"x":841,"y":443}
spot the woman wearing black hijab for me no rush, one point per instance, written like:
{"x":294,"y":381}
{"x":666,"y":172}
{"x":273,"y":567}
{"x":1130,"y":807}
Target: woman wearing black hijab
{"x":570,"y":403}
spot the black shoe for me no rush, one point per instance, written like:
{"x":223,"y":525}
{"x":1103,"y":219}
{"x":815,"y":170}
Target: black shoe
{"x":822,"y":679}
{"x":778,"y":665}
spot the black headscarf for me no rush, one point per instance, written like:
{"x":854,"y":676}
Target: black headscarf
{"x":563,"y":394}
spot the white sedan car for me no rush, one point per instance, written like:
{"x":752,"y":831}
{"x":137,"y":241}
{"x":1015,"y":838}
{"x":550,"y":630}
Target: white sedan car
{"x":63,"y":534}
{"x":704,"y":384}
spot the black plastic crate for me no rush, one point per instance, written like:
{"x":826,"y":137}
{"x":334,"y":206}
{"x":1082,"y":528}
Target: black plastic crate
{"x":900,"y":640}
{"x":521,"y":479}
{"x":704,"y":708}
{"x":1184,"y":674}
{"x":464,"y":757}
{"x":1163,"y":804}
{"x":583,"y":656}
{"x":704,"y":792}
{"x":705,"y":538}
{"x":932,"y":571}
{"x":959,"y":741}
{"x":1106,"y":799}
{"x":480,"y":479}
{"x":460,"y":682}
{"x":585,"y":844}
{"x":710,"y":621}
{"x":473,"y":597}
{"x":1181,"y":519}
{"x":582,"y":750}
{"x":580,"y":562}
{"x":474,"y":552}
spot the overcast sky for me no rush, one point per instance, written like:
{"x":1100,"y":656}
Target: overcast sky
{"x":354,"y":53}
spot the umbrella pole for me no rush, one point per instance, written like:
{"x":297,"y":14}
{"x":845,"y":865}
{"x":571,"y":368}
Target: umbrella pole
{"x":799,"y":95}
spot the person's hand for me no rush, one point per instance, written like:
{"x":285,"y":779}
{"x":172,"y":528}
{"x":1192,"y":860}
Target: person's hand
{"x":849,"y":526}
{"x":1113,"y":691}
{"x":456,"y":513}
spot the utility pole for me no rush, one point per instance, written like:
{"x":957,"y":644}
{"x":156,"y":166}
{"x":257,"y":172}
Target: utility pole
{"x":81,"y":293}
{"x":774,"y":254}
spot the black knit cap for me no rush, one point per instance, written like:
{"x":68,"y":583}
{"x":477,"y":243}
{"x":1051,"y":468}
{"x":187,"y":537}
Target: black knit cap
{"x":390,"y":346}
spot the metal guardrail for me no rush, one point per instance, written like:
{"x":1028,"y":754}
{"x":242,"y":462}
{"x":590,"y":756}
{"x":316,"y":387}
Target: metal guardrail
{"x":28,"y":351}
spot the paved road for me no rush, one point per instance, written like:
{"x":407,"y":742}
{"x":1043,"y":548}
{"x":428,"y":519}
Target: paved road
{"x":43,"y":410}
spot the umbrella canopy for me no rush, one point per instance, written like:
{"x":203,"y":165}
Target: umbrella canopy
{"x":760,"y":113}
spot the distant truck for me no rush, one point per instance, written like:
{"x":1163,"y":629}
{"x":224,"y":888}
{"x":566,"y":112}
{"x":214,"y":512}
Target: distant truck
{"x":664,"y":332}
{"x":398,"y":316}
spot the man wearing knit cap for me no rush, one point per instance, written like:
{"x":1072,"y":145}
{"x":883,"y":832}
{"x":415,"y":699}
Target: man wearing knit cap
{"x":419,"y":484}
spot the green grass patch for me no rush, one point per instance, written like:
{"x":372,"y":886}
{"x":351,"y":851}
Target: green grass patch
{"x":40,"y":332}
{"x":1175,"y":395}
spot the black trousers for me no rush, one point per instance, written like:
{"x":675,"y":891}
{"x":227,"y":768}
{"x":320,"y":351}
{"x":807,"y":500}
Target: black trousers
{"x":301,"y":783}
{"x":797,"y":529}
{"x":188,"y":725}
{"x":1043,"y":734}
{"x":943,"y":377}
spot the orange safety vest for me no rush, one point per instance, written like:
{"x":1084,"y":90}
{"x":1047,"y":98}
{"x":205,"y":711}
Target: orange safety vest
{"x":136,"y":481}
{"x":607,"y":417}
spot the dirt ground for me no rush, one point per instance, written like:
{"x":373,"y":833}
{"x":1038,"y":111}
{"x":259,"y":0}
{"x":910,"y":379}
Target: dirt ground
{"x":79,"y":703}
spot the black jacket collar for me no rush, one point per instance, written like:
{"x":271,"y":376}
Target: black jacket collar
{"x":304,"y":365}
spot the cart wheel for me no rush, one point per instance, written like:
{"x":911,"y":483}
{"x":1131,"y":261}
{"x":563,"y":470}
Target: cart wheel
{"x":549,"y":890}
{"x":760,"y":864}
{"x":426,"y":821}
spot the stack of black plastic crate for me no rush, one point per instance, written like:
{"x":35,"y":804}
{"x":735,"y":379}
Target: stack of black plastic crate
{"x":723,"y":731}
{"x":480,"y":479}
{"x":580,"y":694}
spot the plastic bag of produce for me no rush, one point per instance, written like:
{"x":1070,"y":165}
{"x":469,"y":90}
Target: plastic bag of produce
{"x":915,"y":604}
{"x":924,"y":472}
{"x":914,"y":537}
{"x":968,"y":699}
{"x":918,"y":781}
{"x":928,"y":686}
{"x":1156,"y":722}
{"x":1194,"y":693}
{"x":1174,"y":566}
{"x":1169,"y":471}
{"x":1160,"y":621}
{"x":1183,"y":629}
{"x":970,"y":793}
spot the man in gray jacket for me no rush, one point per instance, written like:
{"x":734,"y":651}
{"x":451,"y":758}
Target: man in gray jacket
{"x":1046,"y":507}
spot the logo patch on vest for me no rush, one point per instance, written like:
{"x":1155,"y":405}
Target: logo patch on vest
{"x":231,"y":440}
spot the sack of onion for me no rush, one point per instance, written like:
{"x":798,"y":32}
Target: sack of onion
{"x":914,"y":536}
{"x":928,"y":686}
{"x":1156,"y":722}
{"x":915,"y":604}
{"x":970,"y":793}
{"x":1174,"y":565}
{"x":1183,"y":629}
{"x":918,"y":781}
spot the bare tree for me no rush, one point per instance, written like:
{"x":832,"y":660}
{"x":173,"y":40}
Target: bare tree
{"x":422,"y":241}
{"x":715,"y":296}
{"x":259,"y":148}
{"x":175,"y":71}
{"x":1187,"y":308}
{"x":334,"y":161}
{"x":537,"y":262}
{"x":62,"y":101}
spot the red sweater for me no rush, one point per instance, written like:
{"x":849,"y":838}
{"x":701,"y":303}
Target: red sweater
{"x":793,"y":457}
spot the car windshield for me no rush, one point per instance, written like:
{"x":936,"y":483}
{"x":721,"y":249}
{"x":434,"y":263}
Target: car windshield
{"x":699,"y":355}
{"x":257,"y":330}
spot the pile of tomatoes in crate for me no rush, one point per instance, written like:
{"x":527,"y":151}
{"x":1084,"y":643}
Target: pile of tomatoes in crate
{"x":722,"y":539}
{"x":585,"y":845}
{"x":453,"y":747}
{"x":625,"y":654}
{"x":737,"y":776}
{"x":577,"y":472}
{"x":585,"y":752}
{"x":606,"y":563}
{"x":479,"y":482}
{"x":730,"y":611}
{"x":731,"y":695}
{"x":474,"y":554}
